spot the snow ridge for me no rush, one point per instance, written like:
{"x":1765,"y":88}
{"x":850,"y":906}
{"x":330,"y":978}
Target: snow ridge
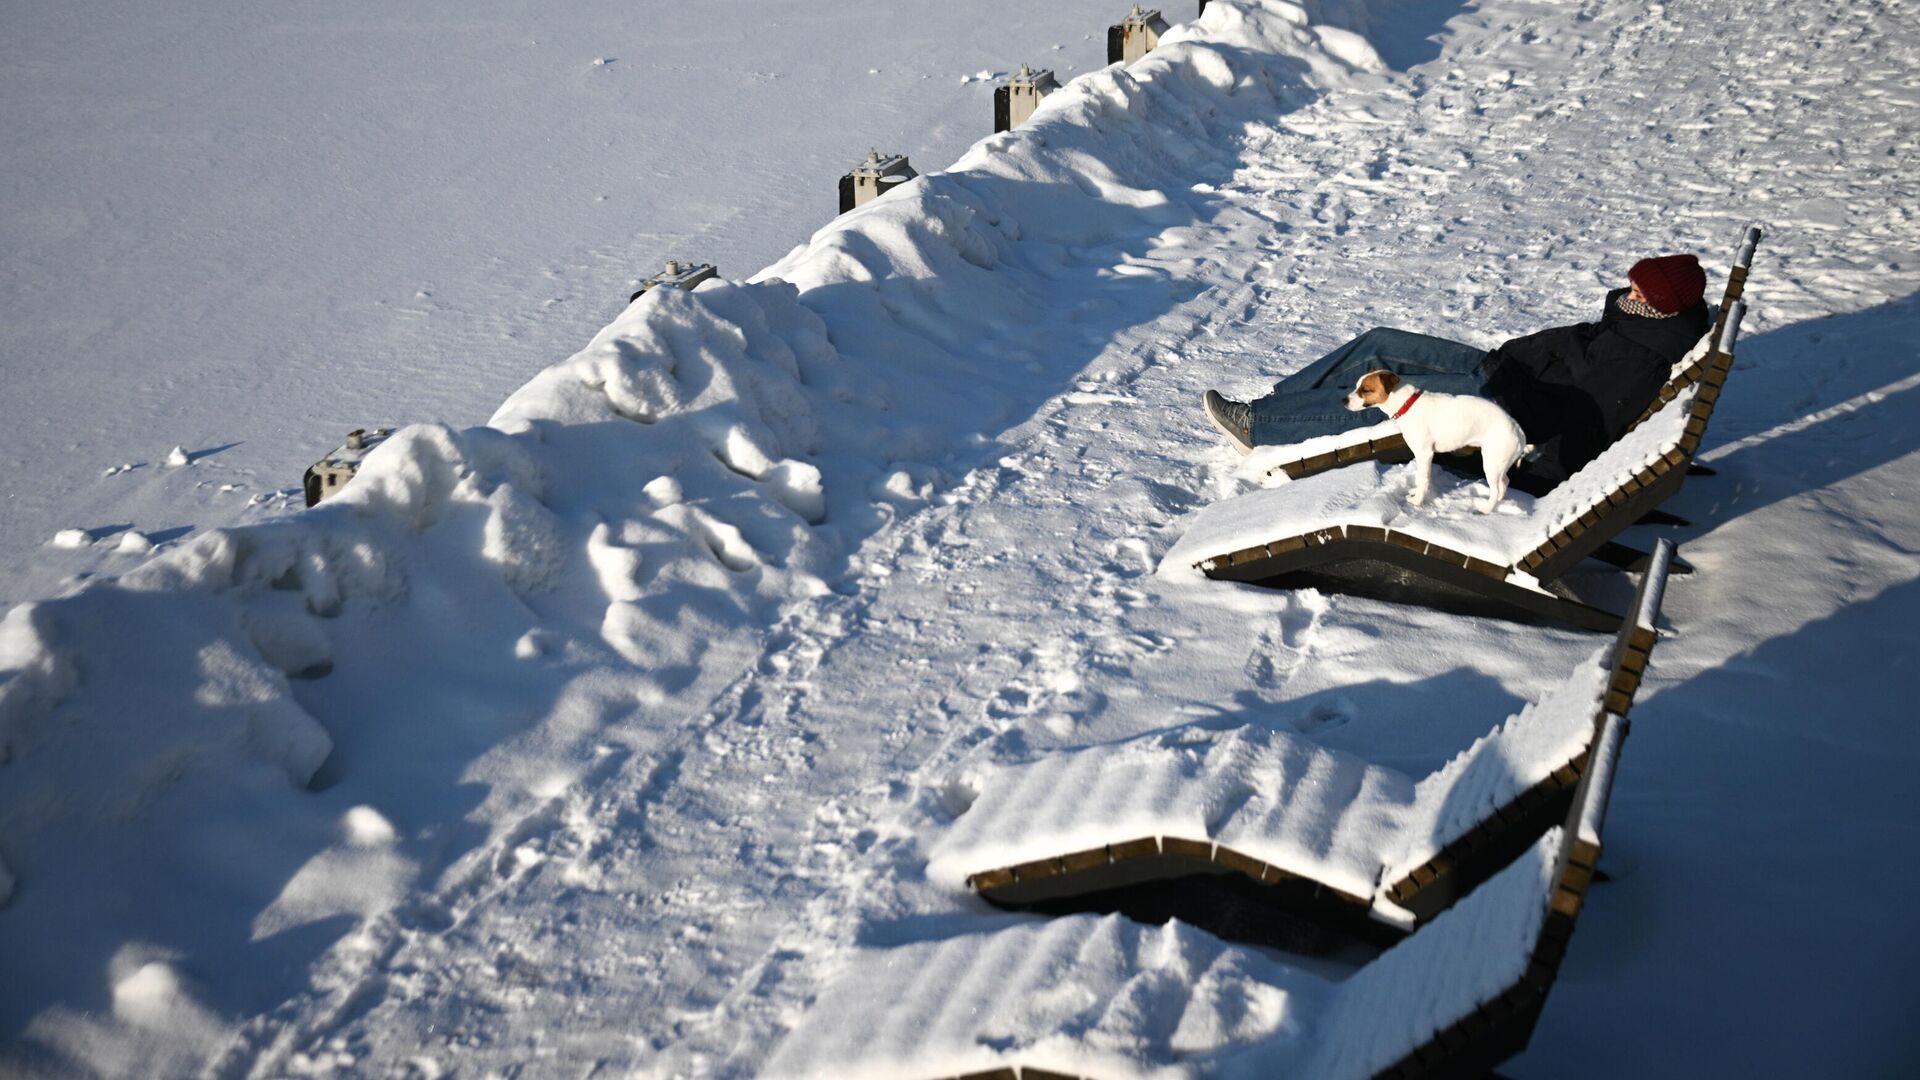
{"x":507,"y":605}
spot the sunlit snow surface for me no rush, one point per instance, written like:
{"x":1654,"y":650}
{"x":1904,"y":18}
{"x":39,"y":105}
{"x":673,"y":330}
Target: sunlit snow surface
{"x":608,"y":737}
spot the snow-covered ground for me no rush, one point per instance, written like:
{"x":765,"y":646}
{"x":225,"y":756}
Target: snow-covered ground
{"x":601,"y":740}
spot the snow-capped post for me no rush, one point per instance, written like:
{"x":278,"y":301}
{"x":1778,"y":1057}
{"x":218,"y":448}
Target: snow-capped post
{"x":1736,"y":283}
{"x":325,"y":478}
{"x":873,"y":178}
{"x":1134,"y":36}
{"x":1016,"y":100}
{"x":685,"y":275}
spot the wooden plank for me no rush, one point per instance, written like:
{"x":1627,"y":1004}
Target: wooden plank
{"x":1273,"y":875}
{"x":991,"y":879}
{"x":1193,"y":849}
{"x":1411,"y":543}
{"x":1367,"y":532}
{"x":1085,"y":860}
{"x":1134,"y":849}
{"x":1244,"y":864}
{"x":1487,"y":569}
{"x":1037,"y":869}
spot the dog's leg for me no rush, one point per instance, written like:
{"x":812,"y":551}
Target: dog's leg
{"x":1496,"y":464}
{"x":1422,"y":475}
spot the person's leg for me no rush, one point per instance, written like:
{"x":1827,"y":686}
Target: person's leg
{"x":1312,"y":401}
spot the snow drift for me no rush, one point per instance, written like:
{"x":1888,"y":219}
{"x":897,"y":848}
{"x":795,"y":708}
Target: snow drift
{"x":221,"y":763}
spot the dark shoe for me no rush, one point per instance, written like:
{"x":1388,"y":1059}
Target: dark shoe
{"x":1233,"y":418}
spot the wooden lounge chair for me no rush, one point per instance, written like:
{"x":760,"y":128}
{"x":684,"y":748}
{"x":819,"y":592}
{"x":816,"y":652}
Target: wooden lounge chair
{"x":1382,"y":441}
{"x":1344,"y":530}
{"x":1104,"y":997}
{"x":1273,"y":824}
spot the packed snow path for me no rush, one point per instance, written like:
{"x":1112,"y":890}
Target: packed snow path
{"x":673,"y":907}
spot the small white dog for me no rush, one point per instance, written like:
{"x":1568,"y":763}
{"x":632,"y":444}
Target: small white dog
{"x":1431,"y":421}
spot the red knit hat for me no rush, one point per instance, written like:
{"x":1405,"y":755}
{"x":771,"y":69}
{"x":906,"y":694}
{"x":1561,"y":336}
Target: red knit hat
{"x":1671,"y":282}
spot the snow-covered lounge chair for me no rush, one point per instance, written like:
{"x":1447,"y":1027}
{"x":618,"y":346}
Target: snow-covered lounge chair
{"x":1351,"y":529}
{"x":1285,"y":824}
{"x":1382,"y":441}
{"x":1108,"y":998}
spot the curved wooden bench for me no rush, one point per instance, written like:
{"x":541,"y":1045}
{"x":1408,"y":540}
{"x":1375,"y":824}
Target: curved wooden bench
{"x":1091,"y":997}
{"x":1382,"y":442}
{"x":1434,"y":857}
{"x":1421,"y":557}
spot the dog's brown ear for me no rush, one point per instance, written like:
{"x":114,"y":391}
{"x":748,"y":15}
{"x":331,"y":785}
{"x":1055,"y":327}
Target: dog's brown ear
{"x":1388,"y":380}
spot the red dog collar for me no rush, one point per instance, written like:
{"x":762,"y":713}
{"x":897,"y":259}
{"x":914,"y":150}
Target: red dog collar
{"x":1409,"y":404}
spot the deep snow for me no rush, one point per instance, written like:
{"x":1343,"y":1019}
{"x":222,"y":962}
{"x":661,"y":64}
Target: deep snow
{"x":603,"y":739}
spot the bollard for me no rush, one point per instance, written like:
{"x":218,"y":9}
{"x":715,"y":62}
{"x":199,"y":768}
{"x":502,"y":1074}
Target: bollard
{"x":685,"y":275}
{"x":873,"y":178}
{"x":1136,"y":35}
{"x":1015,"y":101}
{"x":325,"y":478}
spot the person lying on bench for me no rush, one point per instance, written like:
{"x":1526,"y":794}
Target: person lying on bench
{"x":1573,"y":389}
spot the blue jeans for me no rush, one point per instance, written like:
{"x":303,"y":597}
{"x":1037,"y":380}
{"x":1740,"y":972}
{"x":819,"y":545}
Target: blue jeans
{"x":1311,"y":402}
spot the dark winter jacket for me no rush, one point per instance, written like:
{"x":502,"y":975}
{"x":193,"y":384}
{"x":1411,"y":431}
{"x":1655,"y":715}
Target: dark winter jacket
{"x":1576,"y":389}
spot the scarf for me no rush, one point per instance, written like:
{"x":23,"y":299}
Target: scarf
{"x":1630,"y":306}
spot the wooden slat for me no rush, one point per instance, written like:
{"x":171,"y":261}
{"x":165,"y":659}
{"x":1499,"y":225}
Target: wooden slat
{"x":1037,"y":869}
{"x":1411,"y":543}
{"x":1487,"y":569}
{"x":1085,"y":860}
{"x":1193,"y":849}
{"x":991,"y":879}
{"x":1244,"y":864}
